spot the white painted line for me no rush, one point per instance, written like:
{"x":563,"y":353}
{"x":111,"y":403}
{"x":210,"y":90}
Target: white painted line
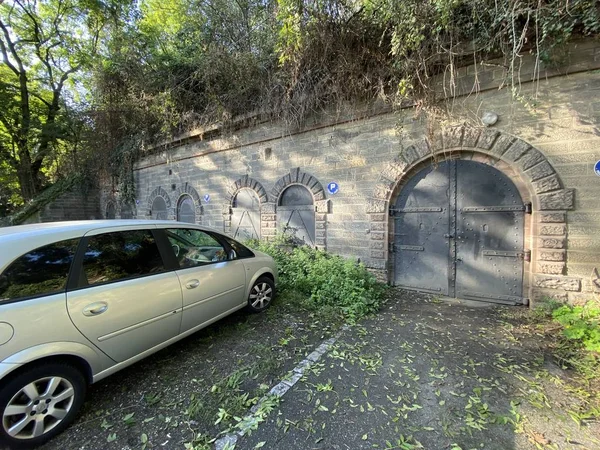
{"x":279,"y":390}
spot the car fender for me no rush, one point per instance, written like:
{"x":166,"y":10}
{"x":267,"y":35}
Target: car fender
{"x":257,"y":274}
{"x":96,"y":360}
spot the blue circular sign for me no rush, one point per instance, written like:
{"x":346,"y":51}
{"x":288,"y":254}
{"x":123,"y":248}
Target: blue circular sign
{"x":206,"y":198}
{"x":333,"y":187}
{"x":597,"y":168}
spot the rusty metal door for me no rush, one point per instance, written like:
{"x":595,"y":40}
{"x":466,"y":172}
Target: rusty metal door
{"x":245,"y":215}
{"x":459,"y":232}
{"x":296,"y":214}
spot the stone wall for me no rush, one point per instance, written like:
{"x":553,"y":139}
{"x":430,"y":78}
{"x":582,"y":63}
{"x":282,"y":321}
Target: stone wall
{"x":547,"y":139}
{"x":72,"y":205}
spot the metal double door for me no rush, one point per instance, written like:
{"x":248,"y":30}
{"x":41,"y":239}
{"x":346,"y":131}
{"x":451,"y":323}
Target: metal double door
{"x":458,"y":231}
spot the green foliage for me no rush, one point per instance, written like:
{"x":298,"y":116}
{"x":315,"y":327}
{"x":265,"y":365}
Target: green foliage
{"x":330,"y":282}
{"x":581,"y":324}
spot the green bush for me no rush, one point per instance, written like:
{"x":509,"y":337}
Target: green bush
{"x":581,"y":324}
{"x":329,"y":281}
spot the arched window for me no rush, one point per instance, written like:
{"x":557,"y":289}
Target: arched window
{"x":186,"y":209}
{"x":110,"y":210}
{"x":159,"y":209}
{"x":296,"y":213}
{"x":245,"y":215}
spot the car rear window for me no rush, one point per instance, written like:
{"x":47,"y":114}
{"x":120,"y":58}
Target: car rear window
{"x":42,"y":271}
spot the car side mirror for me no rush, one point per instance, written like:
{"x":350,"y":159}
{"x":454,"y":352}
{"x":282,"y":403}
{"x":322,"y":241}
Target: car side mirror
{"x":232,"y":255}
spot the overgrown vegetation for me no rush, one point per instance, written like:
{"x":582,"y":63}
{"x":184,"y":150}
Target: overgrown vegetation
{"x":100,"y":81}
{"x":334,"y":285}
{"x":577,"y":344}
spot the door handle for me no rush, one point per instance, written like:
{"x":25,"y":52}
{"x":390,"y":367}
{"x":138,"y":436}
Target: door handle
{"x":192,"y":284}
{"x":95,"y":309}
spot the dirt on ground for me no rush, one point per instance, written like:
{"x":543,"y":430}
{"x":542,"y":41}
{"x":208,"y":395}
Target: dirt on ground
{"x":423,"y":373}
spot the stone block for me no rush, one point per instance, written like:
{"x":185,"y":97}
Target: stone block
{"x":487,"y":139}
{"x":320,"y":217}
{"x":580,"y":298}
{"x":453,"y":137}
{"x":530,"y":159}
{"x":557,"y":282}
{"x":378,"y":236}
{"x":551,"y":268}
{"x":542,"y":170}
{"x":268,"y":208}
{"x":552,"y":243}
{"x":319,"y":195}
{"x":377,"y":245}
{"x":542,"y":295}
{"x":558,"y":200}
{"x":378,"y":217}
{"x":377,"y":254}
{"x":554,"y":217}
{"x":548,"y":184}
{"x":422,"y":148}
{"x":517,"y":149}
{"x":323,"y":206}
{"x":553,"y":230}
{"x":377,"y":226}
{"x":470,"y":137}
{"x":502,"y":144}
{"x":320,"y":225}
{"x":410,"y":155}
{"x":546,"y":255}
{"x":381,"y":192}
{"x":376,"y":206}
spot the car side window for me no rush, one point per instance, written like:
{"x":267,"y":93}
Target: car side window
{"x":121,"y":255}
{"x":42,"y":271}
{"x":195,"y":247}
{"x":241,"y":251}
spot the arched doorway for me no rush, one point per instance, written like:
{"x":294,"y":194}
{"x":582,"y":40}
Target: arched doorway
{"x":245,"y":215}
{"x":159,"y":209}
{"x":186,"y":209}
{"x":296,"y":213}
{"x":111,"y":210}
{"x":459,"y":231}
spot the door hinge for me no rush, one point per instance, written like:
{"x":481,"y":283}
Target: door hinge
{"x":527,"y":256}
{"x":392,"y":247}
{"x":528,"y":207}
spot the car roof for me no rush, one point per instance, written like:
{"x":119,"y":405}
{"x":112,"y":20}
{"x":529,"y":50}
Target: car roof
{"x":19,"y":239}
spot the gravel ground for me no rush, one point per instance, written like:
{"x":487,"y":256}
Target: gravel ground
{"x":423,"y":373}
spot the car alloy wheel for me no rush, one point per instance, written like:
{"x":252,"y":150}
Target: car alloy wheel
{"x":261,"y":295}
{"x":39,"y":403}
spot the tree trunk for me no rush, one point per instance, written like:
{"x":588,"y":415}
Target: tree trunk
{"x":27,"y":177}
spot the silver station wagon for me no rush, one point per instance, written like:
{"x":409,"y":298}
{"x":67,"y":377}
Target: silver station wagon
{"x":81,"y":300}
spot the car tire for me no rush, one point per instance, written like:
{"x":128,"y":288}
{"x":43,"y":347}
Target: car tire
{"x":39,"y":403}
{"x":261,"y":295}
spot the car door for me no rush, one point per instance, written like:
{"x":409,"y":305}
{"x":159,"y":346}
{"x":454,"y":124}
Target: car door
{"x":213,"y":283}
{"x":126,"y":302}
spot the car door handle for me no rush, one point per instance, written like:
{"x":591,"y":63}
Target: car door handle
{"x":192,"y":284}
{"x":95,"y":308}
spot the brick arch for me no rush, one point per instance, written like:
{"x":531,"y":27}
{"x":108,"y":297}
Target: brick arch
{"x":534,"y":176}
{"x":186,"y":189}
{"x":322,"y":204}
{"x":245,"y":182}
{"x":159,"y":192}
{"x":249,"y":183}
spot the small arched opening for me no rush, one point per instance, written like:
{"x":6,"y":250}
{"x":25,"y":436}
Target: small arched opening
{"x":296,"y":214}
